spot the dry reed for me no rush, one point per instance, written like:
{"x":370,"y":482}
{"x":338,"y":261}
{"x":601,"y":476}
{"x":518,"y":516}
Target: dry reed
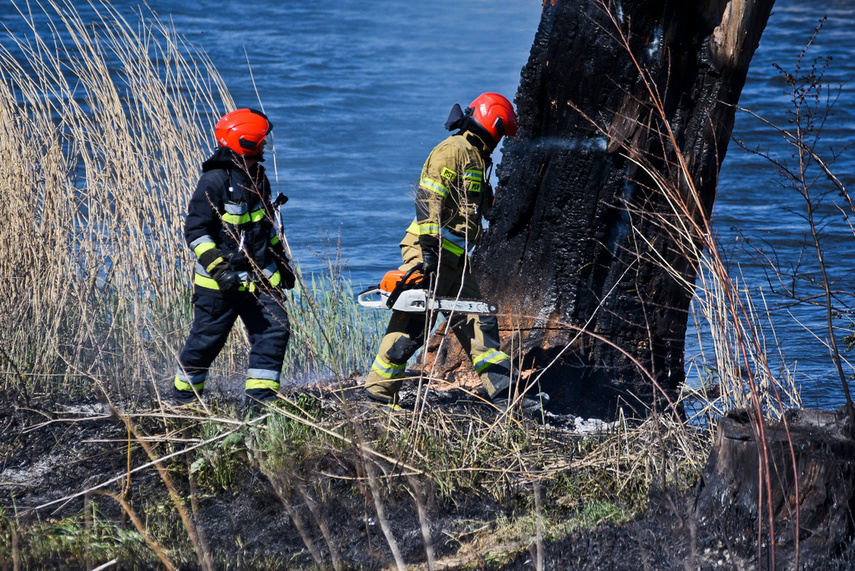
{"x":103,"y":126}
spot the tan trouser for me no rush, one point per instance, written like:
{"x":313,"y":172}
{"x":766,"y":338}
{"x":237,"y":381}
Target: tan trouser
{"x":405,"y":334}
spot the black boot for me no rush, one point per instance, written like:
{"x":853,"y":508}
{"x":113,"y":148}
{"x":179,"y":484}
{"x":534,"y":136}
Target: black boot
{"x":534,"y":405}
{"x":181,"y":398}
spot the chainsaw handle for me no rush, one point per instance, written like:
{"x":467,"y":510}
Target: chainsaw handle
{"x":363,"y":298}
{"x":402,"y":285}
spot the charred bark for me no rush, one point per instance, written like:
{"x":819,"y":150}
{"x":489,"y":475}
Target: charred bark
{"x":579,"y":237}
{"x":734,"y":507}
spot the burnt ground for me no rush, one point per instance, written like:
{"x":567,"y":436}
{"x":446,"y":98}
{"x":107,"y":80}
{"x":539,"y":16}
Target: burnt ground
{"x":52,"y":452}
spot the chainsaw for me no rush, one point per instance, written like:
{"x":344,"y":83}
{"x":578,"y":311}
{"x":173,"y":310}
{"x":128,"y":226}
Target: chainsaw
{"x":405,"y":291}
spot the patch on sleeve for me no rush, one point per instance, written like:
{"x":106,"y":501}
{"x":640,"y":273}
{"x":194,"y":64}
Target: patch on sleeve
{"x":448,"y":174}
{"x":474,"y":186}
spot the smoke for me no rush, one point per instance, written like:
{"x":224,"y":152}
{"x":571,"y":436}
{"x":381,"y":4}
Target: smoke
{"x":553,"y":143}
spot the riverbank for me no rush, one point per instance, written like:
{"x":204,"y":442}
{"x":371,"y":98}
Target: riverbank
{"x":343,"y":484}
{"x":322,"y":475}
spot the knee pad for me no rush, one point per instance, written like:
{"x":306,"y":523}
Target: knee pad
{"x":402,"y":349}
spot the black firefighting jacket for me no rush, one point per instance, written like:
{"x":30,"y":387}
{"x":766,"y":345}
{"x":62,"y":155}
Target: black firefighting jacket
{"x":231,"y":210}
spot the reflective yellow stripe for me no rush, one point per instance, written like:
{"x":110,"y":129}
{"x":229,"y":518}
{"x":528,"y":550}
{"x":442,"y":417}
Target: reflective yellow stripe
{"x":388,"y":370}
{"x":244,"y":218}
{"x":490,"y":357}
{"x":211,"y":283}
{"x":274,"y":240}
{"x":433,"y":230}
{"x":262,"y":384}
{"x":436,"y":187}
{"x":213,"y":264}
{"x":183,"y":386}
{"x":203,"y":247}
{"x":474,"y":177}
{"x":203,"y":281}
{"x":452,"y":247}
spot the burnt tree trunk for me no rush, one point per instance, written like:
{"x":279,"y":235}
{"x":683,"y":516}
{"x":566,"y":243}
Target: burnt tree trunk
{"x":563,"y":251}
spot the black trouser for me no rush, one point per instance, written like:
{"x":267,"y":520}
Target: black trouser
{"x":214,"y":314}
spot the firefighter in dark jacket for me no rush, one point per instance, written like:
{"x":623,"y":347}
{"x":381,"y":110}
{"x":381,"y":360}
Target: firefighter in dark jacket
{"x":452,"y":196}
{"x":241,"y":264}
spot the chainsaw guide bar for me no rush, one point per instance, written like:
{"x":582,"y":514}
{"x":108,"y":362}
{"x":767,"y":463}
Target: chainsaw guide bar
{"x":420,"y":301}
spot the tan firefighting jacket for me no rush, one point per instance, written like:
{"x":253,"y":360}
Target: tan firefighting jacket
{"x":452,"y":194}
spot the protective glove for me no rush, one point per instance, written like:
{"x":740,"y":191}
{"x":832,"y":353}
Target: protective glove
{"x":219,"y":268}
{"x":430,"y":266}
{"x":283,"y":264}
{"x":228,"y":281}
{"x":430,"y":256}
{"x":289,"y":278}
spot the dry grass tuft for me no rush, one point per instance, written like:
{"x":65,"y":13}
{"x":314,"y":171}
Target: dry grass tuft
{"x":102,"y":130}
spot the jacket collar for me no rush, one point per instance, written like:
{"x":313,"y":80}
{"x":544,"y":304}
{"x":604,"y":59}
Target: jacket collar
{"x":477,"y":140}
{"x":227,"y":159}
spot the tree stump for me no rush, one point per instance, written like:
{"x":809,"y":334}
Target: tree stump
{"x":727,"y":501}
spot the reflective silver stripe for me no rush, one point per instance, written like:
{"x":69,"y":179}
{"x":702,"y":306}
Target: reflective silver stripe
{"x":201,"y":240}
{"x":457,"y":240}
{"x":429,"y":229}
{"x":200,"y":269}
{"x":489,"y":357}
{"x":265,"y":374}
{"x":191,"y":379}
{"x":436,"y":187}
{"x":237,"y":209}
{"x":270,"y":270}
{"x":388,"y":370}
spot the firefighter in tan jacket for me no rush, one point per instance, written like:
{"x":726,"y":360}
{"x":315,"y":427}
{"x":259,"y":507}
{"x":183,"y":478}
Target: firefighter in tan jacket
{"x":452,"y":195}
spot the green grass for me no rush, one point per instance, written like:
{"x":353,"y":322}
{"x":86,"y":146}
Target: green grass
{"x":73,"y":543}
{"x":332,"y":337}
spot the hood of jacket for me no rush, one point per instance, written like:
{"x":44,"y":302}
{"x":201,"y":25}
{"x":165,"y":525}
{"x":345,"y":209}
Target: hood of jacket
{"x":225,"y":158}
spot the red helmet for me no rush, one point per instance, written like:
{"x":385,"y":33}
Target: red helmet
{"x":243,"y":131}
{"x":496,"y":114}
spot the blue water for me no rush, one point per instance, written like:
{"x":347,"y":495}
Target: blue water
{"x":359,"y":91}
{"x":756,"y":208}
